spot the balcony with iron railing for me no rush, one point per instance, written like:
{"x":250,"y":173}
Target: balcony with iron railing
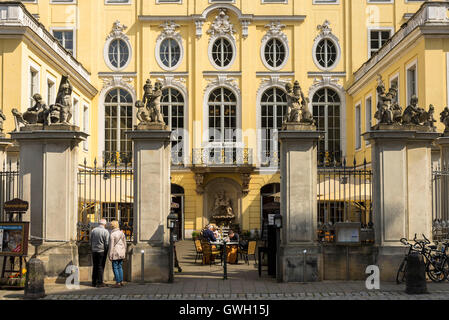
{"x":222,"y":156}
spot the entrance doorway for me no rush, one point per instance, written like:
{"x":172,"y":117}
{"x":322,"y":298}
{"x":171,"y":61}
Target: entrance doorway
{"x":177,"y":196}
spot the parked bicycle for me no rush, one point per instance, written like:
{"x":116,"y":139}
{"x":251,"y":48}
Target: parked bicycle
{"x":435,"y":258}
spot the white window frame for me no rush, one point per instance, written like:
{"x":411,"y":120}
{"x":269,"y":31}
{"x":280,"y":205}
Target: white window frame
{"x":106,"y":53}
{"x":86,"y":124}
{"x":73,"y":29}
{"x":326,"y":2}
{"x":158,"y":52}
{"x":76,"y":110}
{"x":413,"y":64}
{"x":368,"y":116}
{"x":62,"y":2}
{"x":168,"y":2}
{"x":391,"y":29}
{"x":287,"y":53}
{"x":274,"y":2}
{"x":358,"y":126}
{"x":396,"y":77}
{"x":106,"y":2}
{"x":329,"y":37}
{"x":234,"y":51}
{"x":51,"y":99}
{"x":33,"y":67}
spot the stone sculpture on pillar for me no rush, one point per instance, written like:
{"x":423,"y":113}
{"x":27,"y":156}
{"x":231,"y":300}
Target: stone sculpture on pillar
{"x":389,"y":113}
{"x":444,"y":118}
{"x":298,"y":114}
{"x":149,"y":108}
{"x":2,"y":120}
{"x":40,"y":115}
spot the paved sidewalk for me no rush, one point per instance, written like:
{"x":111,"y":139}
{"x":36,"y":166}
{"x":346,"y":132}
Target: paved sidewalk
{"x":204,"y":282}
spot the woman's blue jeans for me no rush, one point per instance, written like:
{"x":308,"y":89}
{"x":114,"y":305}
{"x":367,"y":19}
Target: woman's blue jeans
{"x":118,"y":270}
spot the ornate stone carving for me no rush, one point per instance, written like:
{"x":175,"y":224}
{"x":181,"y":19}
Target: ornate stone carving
{"x":389,"y":112}
{"x":40,"y":114}
{"x":199,"y":28}
{"x":117,"y":31}
{"x":221,"y":80}
{"x":444,"y":118}
{"x":245,"y":24}
{"x":297,"y":106}
{"x":275,"y":30}
{"x":2,"y":120}
{"x":199,"y":179}
{"x":149,"y":108}
{"x":222,"y":210}
{"x":170,"y":31}
{"x":221,"y":26}
{"x":325,"y":29}
{"x":246,"y":179}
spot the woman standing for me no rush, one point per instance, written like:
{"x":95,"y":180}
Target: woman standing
{"x":117,"y":252}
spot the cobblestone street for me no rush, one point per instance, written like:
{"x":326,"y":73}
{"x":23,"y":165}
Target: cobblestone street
{"x":203,"y":282}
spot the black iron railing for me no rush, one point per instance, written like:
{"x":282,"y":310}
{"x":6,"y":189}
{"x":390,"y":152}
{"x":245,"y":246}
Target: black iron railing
{"x":105,"y":193}
{"x":9,"y":184}
{"x":344,"y":195}
{"x":440,"y":203}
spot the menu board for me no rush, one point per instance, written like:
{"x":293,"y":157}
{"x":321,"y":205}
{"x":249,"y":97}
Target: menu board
{"x":347,"y":233}
{"x":14,"y":238}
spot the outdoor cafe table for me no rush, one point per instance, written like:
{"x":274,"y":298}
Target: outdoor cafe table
{"x":223,"y":246}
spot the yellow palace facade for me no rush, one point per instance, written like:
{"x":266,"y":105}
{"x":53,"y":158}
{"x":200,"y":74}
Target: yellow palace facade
{"x":224,"y":66}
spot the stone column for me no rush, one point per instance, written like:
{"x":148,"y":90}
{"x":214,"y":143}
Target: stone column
{"x":299,"y":203}
{"x":151,"y":204}
{"x":443,"y":143}
{"x":48,"y":173}
{"x":402,"y":190}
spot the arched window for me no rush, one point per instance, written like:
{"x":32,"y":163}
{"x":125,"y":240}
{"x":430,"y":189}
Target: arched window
{"x":273,"y":110}
{"x":172,"y":104}
{"x":275,"y":53}
{"x":326,"y":53}
{"x":222,"y":116}
{"x":170,"y":53}
{"x":118,"y":53}
{"x":222,"y":52}
{"x":326,"y":111}
{"x":118,"y":119}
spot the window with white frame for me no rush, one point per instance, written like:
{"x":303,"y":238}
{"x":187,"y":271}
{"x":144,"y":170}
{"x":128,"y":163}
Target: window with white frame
{"x":118,"y":1}
{"x":63,"y":1}
{"x":273,"y":106}
{"x":222,"y":115}
{"x":51,"y":91}
{"x":66,"y":39}
{"x":326,"y":53}
{"x":368,"y":115}
{"x":118,"y":119}
{"x":222,"y":52}
{"x":326,"y":105}
{"x":86,"y":126}
{"x":377,"y":39}
{"x":412,"y":82}
{"x":118,"y":54}
{"x":76,"y":111}
{"x":172,"y":105}
{"x":33,"y":83}
{"x":170,"y":53}
{"x":358,"y":127}
{"x":394,"y":82}
{"x":275,"y":53}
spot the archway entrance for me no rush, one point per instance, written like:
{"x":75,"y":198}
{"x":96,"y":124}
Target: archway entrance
{"x":177,"y":196}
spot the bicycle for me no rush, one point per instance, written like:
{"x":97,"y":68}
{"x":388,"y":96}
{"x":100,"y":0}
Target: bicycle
{"x":436,"y":264}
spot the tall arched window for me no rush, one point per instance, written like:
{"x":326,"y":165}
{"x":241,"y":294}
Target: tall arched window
{"x":118,"y":119}
{"x":326,"y":111}
{"x":172,"y":104}
{"x":273,"y":110}
{"x":222,"y":116}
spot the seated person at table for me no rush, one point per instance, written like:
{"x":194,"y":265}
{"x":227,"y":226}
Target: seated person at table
{"x":208,"y":234}
{"x":232,"y":236}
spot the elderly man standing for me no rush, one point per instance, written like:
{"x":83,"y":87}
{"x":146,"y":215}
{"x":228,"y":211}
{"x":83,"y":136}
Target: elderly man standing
{"x":99,"y":243}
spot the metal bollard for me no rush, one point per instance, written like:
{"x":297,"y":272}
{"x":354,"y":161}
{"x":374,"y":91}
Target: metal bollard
{"x":142,"y":270}
{"x":304,"y":266}
{"x":415,"y":274}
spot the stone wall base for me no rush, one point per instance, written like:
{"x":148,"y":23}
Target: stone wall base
{"x":343,"y":263}
{"x":156,"y":265}
{"x":56,"y":257}
{"x":300,"y":267}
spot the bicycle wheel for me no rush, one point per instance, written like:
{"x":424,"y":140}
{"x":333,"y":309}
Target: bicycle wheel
{"x":436,"y":269}
{"x":400,"y":276}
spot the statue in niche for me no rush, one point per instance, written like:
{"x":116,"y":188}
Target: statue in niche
{"x":222,"y":207}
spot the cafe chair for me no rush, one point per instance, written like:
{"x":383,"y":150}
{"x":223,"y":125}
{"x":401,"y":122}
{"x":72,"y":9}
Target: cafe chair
{"x":209,"y":253}
{"x":199,"y":249}
{"x":251,"y":251}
